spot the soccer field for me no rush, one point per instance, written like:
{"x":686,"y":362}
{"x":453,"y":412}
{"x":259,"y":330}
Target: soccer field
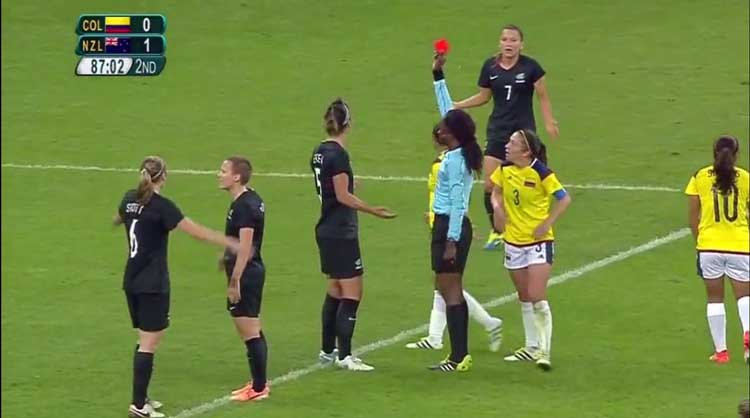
{"x":640,"y":90}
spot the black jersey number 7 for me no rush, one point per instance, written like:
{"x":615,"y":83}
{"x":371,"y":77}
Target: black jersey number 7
{"x":717,"y":210}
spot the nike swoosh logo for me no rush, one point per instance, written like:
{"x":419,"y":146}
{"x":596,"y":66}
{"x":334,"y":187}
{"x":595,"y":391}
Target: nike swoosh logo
{"x":494,"y":77}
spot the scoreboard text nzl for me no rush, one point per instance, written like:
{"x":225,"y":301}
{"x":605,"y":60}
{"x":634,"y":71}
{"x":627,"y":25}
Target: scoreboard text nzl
{"x":121,"y":24}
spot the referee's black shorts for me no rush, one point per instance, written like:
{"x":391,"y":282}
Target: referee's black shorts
{"x":148,"y":311}
{"x":439,"y":239}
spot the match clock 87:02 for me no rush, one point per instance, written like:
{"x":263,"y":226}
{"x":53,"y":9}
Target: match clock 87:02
{"x":120,"y":66}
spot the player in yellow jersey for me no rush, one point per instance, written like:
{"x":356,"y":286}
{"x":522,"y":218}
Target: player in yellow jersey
{"x":718,"y":215}
{"x":436,"y":330}
{"x":522,"y":209}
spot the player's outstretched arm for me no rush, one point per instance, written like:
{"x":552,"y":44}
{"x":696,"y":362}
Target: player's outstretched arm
{"x":202,"y":233}
{"x":341,"y":187}
{"x":476,"y":100}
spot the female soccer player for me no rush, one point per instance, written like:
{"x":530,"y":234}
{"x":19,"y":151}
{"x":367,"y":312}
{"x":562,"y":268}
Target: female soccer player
{"x":452,"y":232}
{"x":521,"y":200}
{"x":718,"y":216}
{"x":148,"y":218}
{"x":246,"y":272}
{"x":510,"y":79}
{"x":337,"y":236}
{"x":493,"y":326}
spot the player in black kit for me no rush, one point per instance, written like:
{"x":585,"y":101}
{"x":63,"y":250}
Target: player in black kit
{"x":338,"y":239}
{"x":510,"y":80}
{"x":245,"y":272}
{"x":148,"y":218}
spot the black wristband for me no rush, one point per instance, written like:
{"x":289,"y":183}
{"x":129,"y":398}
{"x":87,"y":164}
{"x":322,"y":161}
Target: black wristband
{"x":438,"y":74}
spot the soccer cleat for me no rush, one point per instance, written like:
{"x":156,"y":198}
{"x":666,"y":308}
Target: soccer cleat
{"x":146,"y":412}
{"x":354,"y":364}
{"x":720,"y":357}
{"x":425,"y":344}
{"x":524,"y":354}
{"x":248,"y":385}
{"x":746,"y":342}
{"x":543,"y":362}
{"x":448,"y":365}
{"x":154,"y":404}
{"x":493,"y":241}
{"x":328,"y":358}
{"x":250,"y":395}
{"x":495,"y":334}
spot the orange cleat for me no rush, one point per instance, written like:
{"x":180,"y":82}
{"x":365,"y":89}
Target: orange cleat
{"x":248,"y":385}
{"x":746,"y":341}
{"x":720,"y":357}
{"x":249,"y":395}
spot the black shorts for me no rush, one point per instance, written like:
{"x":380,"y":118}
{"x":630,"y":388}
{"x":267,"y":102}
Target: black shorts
{"x":340,"y":258}
{"x":496,"y":149}
{"x":251,"y":291}
{"x":148,"y":311}
{"x":439,"y":239}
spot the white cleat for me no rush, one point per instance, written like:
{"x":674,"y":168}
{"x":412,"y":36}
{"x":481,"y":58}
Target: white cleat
{"x":154,"y":403}
{"x":328,"y":358}
{"x":543,"y":362}
{"x":146,"y":412}
{"x":354,"y":364}
{"x":424,"y":343}
{"x":524,"y":354}
{"x":495,"y":335}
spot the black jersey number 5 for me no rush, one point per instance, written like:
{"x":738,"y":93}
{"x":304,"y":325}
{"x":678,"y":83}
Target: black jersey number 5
{"x":717,"y":210}
{"x":317,"y":182}
{"x":133,"y":239}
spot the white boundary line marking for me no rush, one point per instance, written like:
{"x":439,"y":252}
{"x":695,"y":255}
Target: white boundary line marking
{"x":559,"y":279}
{"x":304,"y":175}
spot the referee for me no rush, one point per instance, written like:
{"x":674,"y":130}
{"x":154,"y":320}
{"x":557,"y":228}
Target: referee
{"x":452,"y":231}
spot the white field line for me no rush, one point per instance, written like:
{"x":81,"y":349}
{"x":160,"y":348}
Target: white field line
{"x":305,"y":175}
{"x":403,"y":335}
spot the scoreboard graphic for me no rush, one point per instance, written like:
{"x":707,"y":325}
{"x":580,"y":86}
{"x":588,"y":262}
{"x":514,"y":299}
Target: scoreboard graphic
{"x":121,"y":44}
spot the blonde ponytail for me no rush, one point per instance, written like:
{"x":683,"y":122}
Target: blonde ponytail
{"x":153,"y":169}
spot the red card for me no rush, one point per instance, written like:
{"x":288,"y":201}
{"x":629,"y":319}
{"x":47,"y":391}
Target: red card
{"x":442,"y":46}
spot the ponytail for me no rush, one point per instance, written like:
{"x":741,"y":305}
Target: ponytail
{"x":462,"y":126}
{"x":725,"y":154}
{"x":535,"y":145}
{"x":145,"y":188}
{"x":473,"y":156}
{"x":542,"y":153}
{"x":153,"y":169}
{"x":337,"y":117}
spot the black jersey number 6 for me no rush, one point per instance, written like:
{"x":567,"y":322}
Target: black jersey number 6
{"x":133,"y":239}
